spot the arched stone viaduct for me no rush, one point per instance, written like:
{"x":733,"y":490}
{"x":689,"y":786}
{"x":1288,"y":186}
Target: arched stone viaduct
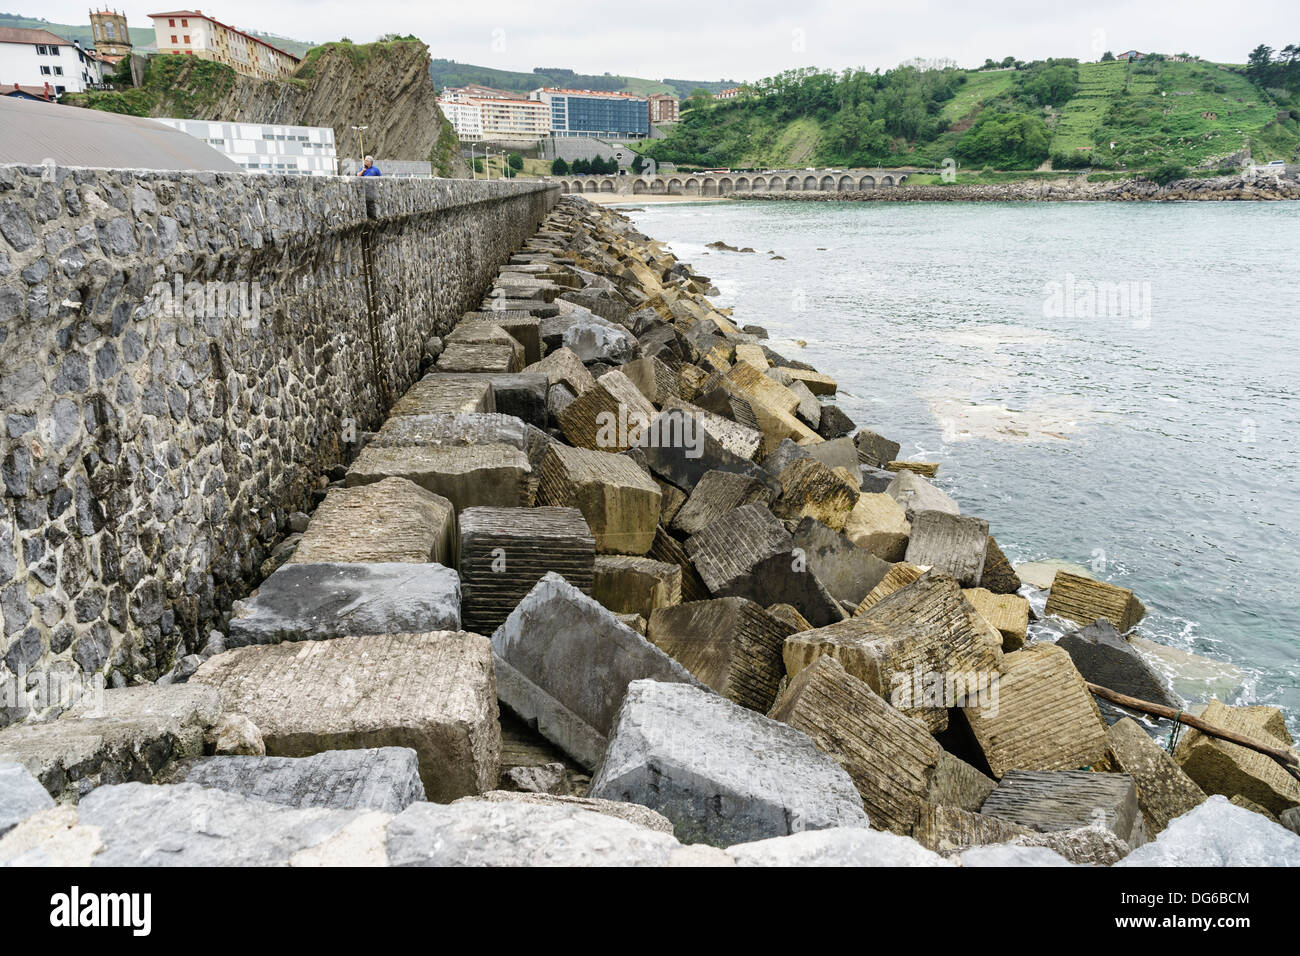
{"x":722,"y":184}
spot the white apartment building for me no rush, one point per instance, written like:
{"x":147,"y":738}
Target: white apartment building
{"x":479,"y":113}
{"x":286,"y":150}
{"x":30,"y":59}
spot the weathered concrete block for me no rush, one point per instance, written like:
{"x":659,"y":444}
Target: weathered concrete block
{"x":514,"y":833}
{"x":380,"y":778}
{"x":999,"y":576}
{"x":1164,"y":791}
{"x":721,"y":773}
{"x":926,"y":469}
{"x":915,"y":494}
{"x":673,"y":499}
{"x":730,"y":644}
{"x":1104,"y":657}
{"x":389,"y":521}
{"x":878,"y":524}
{"x":610,"y":416}
{"x":810,"y":489}
{"x":481,"y":356}
{"x":953,"y":544}
{"x":957,"y":784}
{"x":433,"y":692}
{"x":628,"y":812}
{"x":717,"y":493}
{"x":1084,"y":601}
{"x":873,"y":449}
{"x":1217,"y":834}
{"x":316,"y":602}
{"x":435,"y":394}
{"x":619,"y":501}
{"x":524,"y":328}
{"x":1044,"y":718}
{"x":835,"y":453}
{"x":680,"y":449}
{"x":563,"y":661}
{"x":504,"y":552}
{"x":899,"y":576}
{"x":627,"y":584}
{"x":1230,"y":769}
{"x":757,"y":387}
{"x":132,"y":736}
{"x":593,"y":342}
{"x":563,"y":367}
{"x":835,"y":424}
{"x":950,"y":830}
{"x":1008,"y":614}
{"x":654,"y":380}
{"x":890,"y":757}
{"x":21,"y":795}
{"x":849,"y":572}
{"x":839,"y":846}
{"x":748,"y":553}
{"x":741,"y":439}
{"x":874,"y":480}
{"x":668,"y":549}
{"x":917,"y":649}
{"x":1067,"y":800}
{"x":467,"y":476}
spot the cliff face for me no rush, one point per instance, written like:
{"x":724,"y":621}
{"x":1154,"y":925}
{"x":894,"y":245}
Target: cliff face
{"x":383,"y":86}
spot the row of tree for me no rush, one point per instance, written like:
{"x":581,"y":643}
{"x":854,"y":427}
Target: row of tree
{"x":1281,"y":70}
{"x":597,"y":166}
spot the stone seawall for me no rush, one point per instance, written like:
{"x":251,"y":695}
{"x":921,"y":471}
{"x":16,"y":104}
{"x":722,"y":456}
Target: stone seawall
{"x":182,"y":358}
{"x":1074,"y":189}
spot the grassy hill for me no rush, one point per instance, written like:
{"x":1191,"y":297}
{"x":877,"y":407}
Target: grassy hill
{"x":141,"y":36}
{"x":1113,"y":115}
{"x":447,"y":73}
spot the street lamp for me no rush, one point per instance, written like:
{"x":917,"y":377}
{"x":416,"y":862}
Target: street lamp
{"x":361,"y":142}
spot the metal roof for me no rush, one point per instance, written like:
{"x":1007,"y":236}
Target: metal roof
{"x":33,"y":133}
{"x":26,"y":36}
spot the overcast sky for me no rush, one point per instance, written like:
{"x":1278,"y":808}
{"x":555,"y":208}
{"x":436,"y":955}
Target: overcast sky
{"x":743,"y":41}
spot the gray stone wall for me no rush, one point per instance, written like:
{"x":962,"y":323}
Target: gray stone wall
{"x":153,"y":444}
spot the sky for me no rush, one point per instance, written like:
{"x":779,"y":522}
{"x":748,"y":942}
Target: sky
{"x":747,"y":41}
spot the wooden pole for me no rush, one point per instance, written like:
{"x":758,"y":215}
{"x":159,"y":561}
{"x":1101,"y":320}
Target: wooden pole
{"x":1285,"y":757}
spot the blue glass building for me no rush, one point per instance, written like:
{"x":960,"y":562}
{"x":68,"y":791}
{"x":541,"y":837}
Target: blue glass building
{"x":592,"y":113}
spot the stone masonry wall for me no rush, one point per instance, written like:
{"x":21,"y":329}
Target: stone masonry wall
{"x":153,"y":445}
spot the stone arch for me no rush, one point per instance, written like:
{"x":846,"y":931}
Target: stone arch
{"x":709,"y":187}
{"x":725,"y":185}
{"x":742,"y":185}
{"x":792,"y":184}
{"x":867,"y":182}
{"x":639,"y":187}
{"x":886,"y":180}
{"x":658,"y":187}
{"x":809,"y":183}
{"x":607,"y":186}
{"x":692,"y":187}
{"x":591,"y":186}
{"x":674,"y":187}
{"x":827,"y":183}
{"x":847,"y":185}
{"x":902,"y":179}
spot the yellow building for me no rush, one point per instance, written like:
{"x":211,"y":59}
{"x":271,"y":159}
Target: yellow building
{"x":112,"y":39}
{"x":191,"y":33}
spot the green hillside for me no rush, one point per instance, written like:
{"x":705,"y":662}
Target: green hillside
{"x":447,"y":73}
{"x":141,"y":36}
{"x":1111,"y":116}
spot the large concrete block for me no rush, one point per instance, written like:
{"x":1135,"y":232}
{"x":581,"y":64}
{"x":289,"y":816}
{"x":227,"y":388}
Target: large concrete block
{"x":741,"y":439}
{"x":316,"y":602}
{"x":1230,"y":769}
{"x":513,"y":833}
{"x":891,"y":758}
{"x":917,"y":649}
{"x":748,"y":553}
{"x":1044,"y":717}
{"x":1104,"y":657}
{"x":504,"y":552}
{"x":840,"y":846}
{"x":522,"y":394}
{"x":466,"y":475}
{"x":668,"y":549}
{"x":654,"y":380}
{"x":873,"y":449}
{"x":915,"y":494}
{"x":481,"y":357}
{"x":849,"y":572}
{"x":21,"y":796}
{"x":564,"y":662}
{"x":525,"y":328}
{"x":594,"y":342}
{"x":811,"y":490}
{"x":389,"y":521}
{"x":757,"y":387}
{"x":1008,"y":614}
{"x":878,"y":524}
{"x":1164,"y":791}
{"x":619,"y":501}
{"x":380,"y":778}
{"x":1084,"y":601}
{"x":1067,"y":800}
{"x":953,"y":544}
{"x":949,"y":830}
{"x":627,"y":584}
{"x":957,"y":784}
{"x":610,"y":416}
{"x":899,"y":576}
{"x":721,"y":773}
{"x":132,"y":736}
{"x":433,"y":692}
{"x":999,"y":576}
{"x":563,"y":367}
{"x":630,"y":812}
{"x":438,"y":394}
{"x":730,"y":644}
{"x":717,"y":493}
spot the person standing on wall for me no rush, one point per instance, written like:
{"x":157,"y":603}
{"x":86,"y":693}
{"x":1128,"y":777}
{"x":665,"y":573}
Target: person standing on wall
{"x":368,"y":167}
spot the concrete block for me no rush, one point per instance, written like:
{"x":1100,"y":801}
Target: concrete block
{"x":626,"y":584}
{"x":435,"y":394}
{"x":873,"y":449}
{"x":681,"y":449}
{"x":21,"y":796}
{"x":317,"y":602}
{"x":389,"y":521}
{"x":717,"y":493}
{"x":504,"y":552}
{"x":434,"y":692}
{"x":953,"y":544}
{"x":563,"y":367}
{"x":467,"y":475}
{"x":522,"y":394}
{"x":668,"y":549}
{"x":915,"y":494}
{"x":878,"y":524}
{"x":654,"y":380}
{"x":810,"y":489}
{"x":1230,"y":769}
{"x":1084,"y":601}
{"x":1008,"y":614}
{"x":564,"y":662}
{"x":999,"y":576}
{"x":848,"y":571}
{"x":619,"y":501}
{"x":628,"y":812}
{"x":949,"y":830}
{"x":610,"y":416}
{"x":1067,"y":800}
{"x":1104,"y":657}
{"x":1217,"y":834}
{"x":721,"y":773}
{"x":1164,"y":791}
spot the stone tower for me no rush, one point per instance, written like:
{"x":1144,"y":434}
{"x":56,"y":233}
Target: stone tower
{"x":111,"y":35}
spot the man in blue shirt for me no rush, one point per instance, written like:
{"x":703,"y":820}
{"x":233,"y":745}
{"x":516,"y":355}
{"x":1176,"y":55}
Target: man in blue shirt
{"x":369,"y":168}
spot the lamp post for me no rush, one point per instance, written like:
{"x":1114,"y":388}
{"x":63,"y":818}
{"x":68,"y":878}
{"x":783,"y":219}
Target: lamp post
{"x":361,"y":142}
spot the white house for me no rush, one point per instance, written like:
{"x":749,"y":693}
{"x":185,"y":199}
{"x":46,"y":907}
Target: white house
{"x":258,"y":148}
{"x":30,"y":59}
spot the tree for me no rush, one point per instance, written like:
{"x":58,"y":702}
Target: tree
{"x":700,"y":98}
{"x":1008,"y":61}
{"x":478,"y":165}
{"x":516,"y":161}
{"x":559,"y":167}
{"x":1005,"y":141}
{"x":1108,"y":57}
{"x":1259,"y":62}
{"x":638,"y":163}
{"x":581,"y":167}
